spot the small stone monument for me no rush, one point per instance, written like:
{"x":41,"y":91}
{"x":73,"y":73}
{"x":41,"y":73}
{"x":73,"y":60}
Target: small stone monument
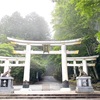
{"x":6,"y":83}
{"x":84,"y":83}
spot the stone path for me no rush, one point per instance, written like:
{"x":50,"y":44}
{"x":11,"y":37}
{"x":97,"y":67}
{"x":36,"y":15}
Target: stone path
{"x":49,"y":83}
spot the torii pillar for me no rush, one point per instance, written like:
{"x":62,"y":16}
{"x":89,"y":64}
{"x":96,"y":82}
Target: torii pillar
{"x":85,"y":69}
{"x":26,"y":78}
{"x":65,"y":82}
{"x":6,"y":68}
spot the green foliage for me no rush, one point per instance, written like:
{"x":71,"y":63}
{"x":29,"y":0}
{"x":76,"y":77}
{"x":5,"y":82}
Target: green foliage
{"x":66,"y":21}
{"x":39,"y":60}
{"x":58,"y":74}
{"x":38,"y":63}
{"x":98,"y":39}
{"x":17,"y":73}
{"x":98,"y":36}
{"x":88,"y":8}
{"x":3,"y":38}
{"x":6,"y":49}
{"x":98,"y":49}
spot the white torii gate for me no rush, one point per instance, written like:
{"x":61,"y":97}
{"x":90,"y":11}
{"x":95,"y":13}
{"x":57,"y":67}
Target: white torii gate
{"x":85,"y":62}
{"x":8,"y":62}
{"x":46,"y":50}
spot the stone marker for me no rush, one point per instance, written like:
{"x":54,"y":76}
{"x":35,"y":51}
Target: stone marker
{"x":84,"y":83}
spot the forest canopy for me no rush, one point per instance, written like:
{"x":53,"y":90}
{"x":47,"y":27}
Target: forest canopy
{"x":32,"y":27}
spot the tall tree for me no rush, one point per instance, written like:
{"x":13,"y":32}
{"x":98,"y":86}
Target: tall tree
{"x":37,"y":28}
{"x":32,"y":27}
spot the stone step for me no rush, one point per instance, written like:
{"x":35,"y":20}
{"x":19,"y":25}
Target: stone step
{"x":49,"y":96}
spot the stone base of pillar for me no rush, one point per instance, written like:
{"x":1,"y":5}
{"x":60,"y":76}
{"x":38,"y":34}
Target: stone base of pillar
{"x":25,"y":84}
{"x":65,"y":84}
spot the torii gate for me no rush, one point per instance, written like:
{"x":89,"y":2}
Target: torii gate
{"x":46,"y":45}
{"x":8,"y":62}
{"x":85,"y":62}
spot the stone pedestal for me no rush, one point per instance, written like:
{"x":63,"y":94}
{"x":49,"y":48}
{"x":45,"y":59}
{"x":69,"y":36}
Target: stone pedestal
{"x":6,"y":85}
{"x":25,"y":84}
{"x":84,"y":84}
{"x":65,"y":86}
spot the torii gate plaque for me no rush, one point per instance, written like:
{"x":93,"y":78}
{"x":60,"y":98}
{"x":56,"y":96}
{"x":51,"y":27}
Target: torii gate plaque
{"x":46,"y":45}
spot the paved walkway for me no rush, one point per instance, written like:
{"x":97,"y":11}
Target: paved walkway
{"x":49,"y":83}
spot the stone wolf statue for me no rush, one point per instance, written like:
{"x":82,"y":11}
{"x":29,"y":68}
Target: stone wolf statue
{"x":6,"y":73}
{"x":81,"y":72}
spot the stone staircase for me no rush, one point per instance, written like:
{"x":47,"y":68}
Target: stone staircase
{"x":50,"y":96}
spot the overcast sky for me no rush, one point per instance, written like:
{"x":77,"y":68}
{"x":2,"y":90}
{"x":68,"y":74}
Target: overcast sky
{"x":41,"y":7}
